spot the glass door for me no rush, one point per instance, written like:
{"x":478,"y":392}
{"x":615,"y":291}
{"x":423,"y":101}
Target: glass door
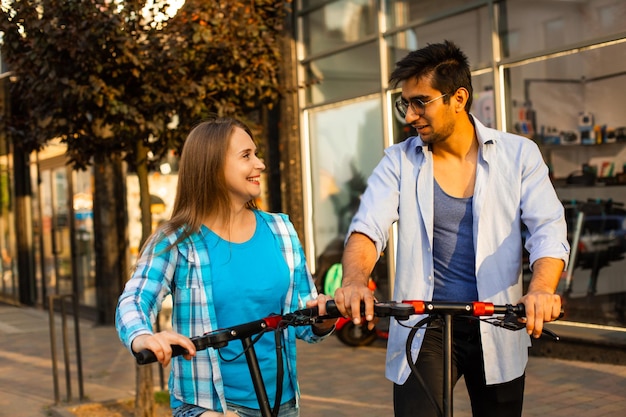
{"x":55,"y":250}
{"x":63,"y":230}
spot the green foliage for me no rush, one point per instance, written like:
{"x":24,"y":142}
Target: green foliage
{"x":162,"y":397}
{"x":101,"y":77}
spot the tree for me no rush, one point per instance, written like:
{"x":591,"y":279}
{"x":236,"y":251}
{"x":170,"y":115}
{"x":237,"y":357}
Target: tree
{"x":110,"y":82}
{"x":118,"y":81}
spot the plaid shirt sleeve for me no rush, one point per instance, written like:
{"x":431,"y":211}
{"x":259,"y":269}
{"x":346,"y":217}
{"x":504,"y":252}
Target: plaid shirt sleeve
{"x":140,"y":302}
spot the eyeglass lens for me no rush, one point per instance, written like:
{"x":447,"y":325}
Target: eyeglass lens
{"x":417,"y":105}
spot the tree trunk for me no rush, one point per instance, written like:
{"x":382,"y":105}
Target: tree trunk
{"x":110,"y":235}
{"x":144,"y":398}
{"x":289,"y":138}
{"x":24,"y":229}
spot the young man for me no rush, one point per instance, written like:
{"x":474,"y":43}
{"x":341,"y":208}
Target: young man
{"x":459,"y":192}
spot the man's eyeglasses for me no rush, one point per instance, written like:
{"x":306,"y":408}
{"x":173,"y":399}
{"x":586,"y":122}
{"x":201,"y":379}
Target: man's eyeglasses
{"x":417,"y":105}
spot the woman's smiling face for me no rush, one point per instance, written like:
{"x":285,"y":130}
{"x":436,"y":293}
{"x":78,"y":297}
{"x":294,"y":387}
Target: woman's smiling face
{"x":242,"y":168}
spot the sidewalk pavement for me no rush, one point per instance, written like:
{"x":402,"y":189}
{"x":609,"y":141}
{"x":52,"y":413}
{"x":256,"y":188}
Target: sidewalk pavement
{"x":335,"y":380}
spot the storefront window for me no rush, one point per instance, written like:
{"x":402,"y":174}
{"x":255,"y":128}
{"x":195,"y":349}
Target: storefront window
{"x":84,"y":257}
{"x":567,"y":99}
{"x":338,"y":24}
{"x":571,"y":107}
{"x":55,"y":230}
{"x":532,"y":26}
{"x":162,"y":186}
{"x":400,"y":129}
{"x":346,"y":144}
{"x":470,"y":31}
{"x":312,"y":3}
{"x":8,"y":261}
{"x":402,"y":12}
{"x":560,"y":69}
{"x":348,"y":74}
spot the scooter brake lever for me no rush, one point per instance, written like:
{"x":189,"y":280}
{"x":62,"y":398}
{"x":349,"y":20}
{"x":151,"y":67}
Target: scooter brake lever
{"x":510,"y":321}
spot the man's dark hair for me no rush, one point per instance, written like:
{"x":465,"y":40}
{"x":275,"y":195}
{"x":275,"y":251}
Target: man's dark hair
{"x":446,"y":62}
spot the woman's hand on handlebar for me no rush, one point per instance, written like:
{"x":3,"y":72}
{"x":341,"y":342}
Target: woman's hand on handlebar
{"x":161,"y":345}
{"x":320,"y":303}
{"x":349,"y":299}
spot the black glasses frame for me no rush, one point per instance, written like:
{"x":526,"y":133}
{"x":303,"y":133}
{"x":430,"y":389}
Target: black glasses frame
{"x":417,"y":105}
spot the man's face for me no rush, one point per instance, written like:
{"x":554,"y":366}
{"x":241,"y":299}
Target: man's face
{"x":428,"y":110}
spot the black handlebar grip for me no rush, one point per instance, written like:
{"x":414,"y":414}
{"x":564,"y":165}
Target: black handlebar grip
{"x":520,"y":310}
{"x":331,"y":309}
{"x":146,"y":356}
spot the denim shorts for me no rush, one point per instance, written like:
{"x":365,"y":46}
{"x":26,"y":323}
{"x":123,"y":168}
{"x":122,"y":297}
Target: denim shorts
{"x":287,"y":409}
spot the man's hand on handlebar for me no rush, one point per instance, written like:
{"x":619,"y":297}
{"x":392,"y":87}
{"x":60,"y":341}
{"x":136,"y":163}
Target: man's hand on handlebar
{"x":161,"y":345}
{"x":349,"y":298}
{"x":541,"y":307}
{"x":540,"y":302}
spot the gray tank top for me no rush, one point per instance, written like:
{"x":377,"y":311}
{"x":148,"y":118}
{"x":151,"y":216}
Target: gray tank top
{"x":453,"y":248}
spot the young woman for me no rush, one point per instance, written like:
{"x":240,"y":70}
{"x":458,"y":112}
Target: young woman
{"x":224,"y":262}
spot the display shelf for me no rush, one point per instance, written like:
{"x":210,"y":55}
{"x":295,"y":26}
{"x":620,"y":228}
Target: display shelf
{"x":606,"y":158}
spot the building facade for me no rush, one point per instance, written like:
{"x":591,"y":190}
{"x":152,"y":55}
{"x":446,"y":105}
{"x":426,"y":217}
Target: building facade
{"x":553,"y":71}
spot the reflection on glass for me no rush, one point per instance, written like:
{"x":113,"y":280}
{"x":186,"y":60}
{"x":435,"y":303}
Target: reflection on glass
{"x":549,"y":24}
{"x":483,"y":104}
{"x":346,"y":145}
{"x":470,"y":31}
{"x":401,"y":130}
{"x":84,"y":238}
{"x":312,"y":3}
{"x":570,"y":99}
{"x":8,"y":262}
{"x":37,"y":233}
{"x":348,"y":74}
{"x":568,"y":106}
{"x":400,"y":13}
{"x":338,"y":24}
{"x":594,"y":285}
{"x":55,"y":231}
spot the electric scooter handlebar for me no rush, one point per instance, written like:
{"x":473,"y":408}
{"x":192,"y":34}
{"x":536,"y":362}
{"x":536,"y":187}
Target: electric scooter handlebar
{"x":509,"y":313}
{"x":307,"y":316}
{"x":303,"y":317}
{"x":401,"y":311}
{"x":222,"y":337}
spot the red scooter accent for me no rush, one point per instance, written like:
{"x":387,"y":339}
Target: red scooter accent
{"x":474,"y":308}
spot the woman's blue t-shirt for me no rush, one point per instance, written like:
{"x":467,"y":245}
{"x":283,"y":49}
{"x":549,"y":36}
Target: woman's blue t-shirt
{"x":250,"y":282}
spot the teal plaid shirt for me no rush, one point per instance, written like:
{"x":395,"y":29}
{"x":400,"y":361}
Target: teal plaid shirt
{"x":184,"y":271}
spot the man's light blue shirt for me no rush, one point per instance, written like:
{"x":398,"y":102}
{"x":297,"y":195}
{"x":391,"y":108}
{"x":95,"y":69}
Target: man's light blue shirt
{"x":512,"y":187}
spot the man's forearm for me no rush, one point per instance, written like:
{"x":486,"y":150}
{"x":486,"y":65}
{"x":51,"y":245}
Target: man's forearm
{"x":546,"y":275}
{"x":359,"y":258}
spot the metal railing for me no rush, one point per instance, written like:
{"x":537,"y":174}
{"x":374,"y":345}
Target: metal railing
{"x":62,"y":298}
